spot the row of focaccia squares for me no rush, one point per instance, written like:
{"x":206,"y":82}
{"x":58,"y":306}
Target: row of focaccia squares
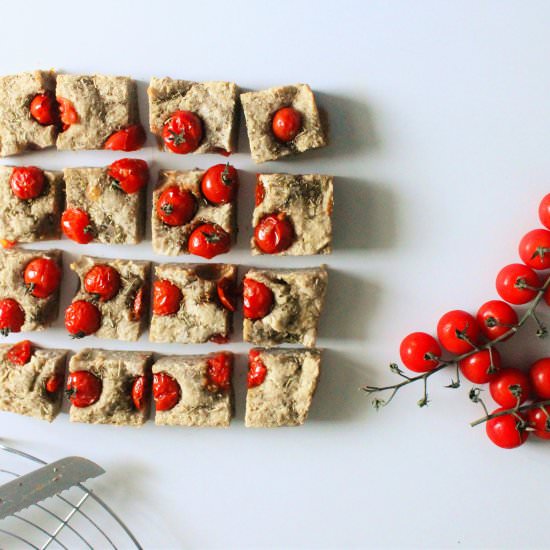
{"x":191,"y":303}
{"x":42,"y":109}
{"x":194,"y":211}
{"x":115,"y":387}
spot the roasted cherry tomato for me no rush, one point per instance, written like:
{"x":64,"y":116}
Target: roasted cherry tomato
{"x":257,"y":299}
{"x":507,"y":431}
{"x":182,"y":132}
{"x":227,"y":294}
{"x":140,"y":392}
{"x":477,"y":367}
{"x":286,"y":124}
{"x":517,"y":284}
{"x":495,"y":318}
{"x":76,"y":225}
{"x":54,"y":382}
{"x":20,"y":353}
{"x":103,"y":281}
{"x":259,"y":192}
{"x":274,"y":233}
{"x":43,"y":109}
{"x":128,"y":139}
{"x":131,"y":175}
{"x":544,"y":211}
{"x":67,"y":113}
{"x":82,"y":318}
{"x":208,"y":240}
{"x":534,"y":249}
{"x":83,"y":388}
{"x":508,"y":386}
{"x":458,"y":331}
{"x":138,"y":306}
{"x":539,"y":418}
{"x":257,"y":371}
{"x":166,"y":297}
{"x":220,"y":183}
{"x":539,"y":376}
{"x":4,"y":243}
{"x":175,"y":206}
{"x":218,"y":372}
{"x":12,"y":316}
{"x":166,"y":391}
{"x":42,"y":277}
{"x":420,"y":352}
{"x":27,"y":182}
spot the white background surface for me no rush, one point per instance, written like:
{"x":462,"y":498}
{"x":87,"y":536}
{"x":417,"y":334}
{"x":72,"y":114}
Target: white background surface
{"x":440,"y":115}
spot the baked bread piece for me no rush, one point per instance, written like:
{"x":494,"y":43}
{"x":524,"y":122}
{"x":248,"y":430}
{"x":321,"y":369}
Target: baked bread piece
{"x":37,"y":219}
{"x":201,"y":316}
{"x":116,"y":217}
{"x":306,"y":202}
{"x":34,"y":388}
{"x":19,"y":131}
{"x":215,"y":103}
{"x":103,"y":104}
{"x":260,"y":108}
{"x":39,"y":312}
{"x":122,"y":318}
{"x":297,"y":297}
{"x":281,"y":384}
{"x":173,"y":240}
{"x":117,"y":370}
{"x":202,"y":401}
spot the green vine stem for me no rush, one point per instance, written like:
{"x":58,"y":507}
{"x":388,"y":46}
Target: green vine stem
{"x":515,"y":410}
{"x":394,"y":388}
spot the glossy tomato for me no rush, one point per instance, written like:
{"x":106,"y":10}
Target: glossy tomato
{"x":458,"y":331}
{"x":76,"y":225}
{"x":12,"y":316}
{"x":27,"y":182}
{"x":227,"y":294}
{"x":274,"y":233}
{"x":507,"y":431}
{"x":82,"y":318}
{"x":140,"y":392}
{"x":43,"y":109}
{"x":286,"y":124}
{"x":481,"y":367}
{"x":176,"y":206}
{"x":517,"y":284}
{"x":208,"y":240}
{"x":167,"y":297}
{"x":539,"y":376}
{"x":20,"y":353}
{"x":166,"y":391}
{"x":544,"y":211}
{"x":103,"y":281}
{"x":83,"y":388}
{"x":131,"y":175}
{"x":534,"y":249}
{"x":182,"y":132}
{"x":128,"y":139}
{"x":495,"y":318}
{"x":257,"y":371}
{"x":420,"y":352}
{"x":539,"y":419}
{"x":67,"y":113}
{"x":42,"y":277}
{"x":218,"y":372}
{"x":257,"y":299}
{"x":220,"y":183}
{"x":508,"y":386}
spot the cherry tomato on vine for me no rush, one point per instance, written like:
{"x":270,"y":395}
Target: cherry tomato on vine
{"x":176,"y":206}
{"x":544,"y":211}
{"x":517,"y":284}
{"x":208,"y":240}
{"x":257,"y":299}
{"x":534,"y":249}
{"x":420,"y":352}
{"x":83,"y":388}
{"x":476,"y":367}
{"x":538,"y":418}
{"x":166,"y":391}
{"x":27,"y":182}
{"x":274,"y":233}
{"x":42,"y":277}
{"x":286,"y":124}
{"x":182,"y":132}
{"x":12,"y":316}
{"x":508,"y":385}
{"x":458,"y":331}
{"x":220,"y":183}
{"x":539,"y":376}
{"x":167,"y":297}
{"x":506,"y":431}
{"x":495,"y":318}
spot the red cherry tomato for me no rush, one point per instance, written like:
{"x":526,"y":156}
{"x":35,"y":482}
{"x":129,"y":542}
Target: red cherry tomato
{"x":83,"y":388}
{"x":534,"y":249}
{"x":454,"y":324}
{"x":54,"y":382}
{"x":76,"y":225}
{"x":495,"y":319}
{"x":274,"y":233}
{"x":218,"y":372}
{"x":44,"y":109}
{"x":20,"y":353}
{"x":4,"y":243}
{"x":42,"y":277}
{"x":539,"y":376}
{"x":12,"y":316}
{"x":504,"y":384}
{"x":67,"y":113}
{"x":476,"y":367}
{"x":544,"y":211}
{"x":538,"y":418}
{"x":128,"y":139}
{"x":208,"y":240}
{"x":182,"y":132}
{"x":103,"y":281}
{"x":420,"y":352}
{"x":166,"y":391}
{"x":175,"y":206}
{"x":131,"y":175}
{"x":27,"y":182}
{"x":139,"y":304}
{"x":82,"y":318}
{"x":286,"y":124}
{"x":167,"y":298}
{"x":259,"y":193}
{"x":226,"y":294}
{"x":257,"y":299}
{"x":140,"y":392}
{"x":220,"y":183}
{"x":257,"y":371}
{"x":512,"y":281}
{"x":506,"y":431}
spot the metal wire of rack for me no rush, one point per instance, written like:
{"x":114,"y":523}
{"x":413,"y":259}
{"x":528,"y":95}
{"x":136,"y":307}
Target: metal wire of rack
{"x":76,"y":519}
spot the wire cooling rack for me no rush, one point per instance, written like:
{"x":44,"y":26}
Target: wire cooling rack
{"x":76,"y":519}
